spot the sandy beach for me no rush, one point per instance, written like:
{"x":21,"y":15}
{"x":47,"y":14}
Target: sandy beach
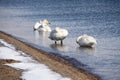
{"x":24,"y":66}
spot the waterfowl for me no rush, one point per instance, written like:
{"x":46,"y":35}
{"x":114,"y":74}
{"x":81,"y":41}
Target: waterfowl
{"x":42,"y":25}
{"x":86,"y":41}
{"x":58,"y":34}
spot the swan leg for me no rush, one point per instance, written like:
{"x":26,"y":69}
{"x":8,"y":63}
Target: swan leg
{"x":34,"y":29}
{"x":61,"y":42}
{"x":55,"y":42}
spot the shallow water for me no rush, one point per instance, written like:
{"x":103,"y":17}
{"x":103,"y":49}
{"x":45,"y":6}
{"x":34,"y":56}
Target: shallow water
{"x":98,"y":18}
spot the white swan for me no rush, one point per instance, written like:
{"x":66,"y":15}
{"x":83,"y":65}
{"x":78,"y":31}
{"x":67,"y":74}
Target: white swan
{"x":58,"y":34}
{"x":86,"y":41}
{"x":42,"y":25}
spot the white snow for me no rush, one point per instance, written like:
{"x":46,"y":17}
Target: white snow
{"x":6,"y":44}
{"x":33,"y":70}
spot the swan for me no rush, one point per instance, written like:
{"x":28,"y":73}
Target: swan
{"x":42,"y":25}
{"x":58,"y":34}
{"x":86,"y":40}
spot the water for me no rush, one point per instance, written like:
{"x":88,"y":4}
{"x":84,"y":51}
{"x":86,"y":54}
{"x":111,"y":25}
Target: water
{"x":98,"y":18}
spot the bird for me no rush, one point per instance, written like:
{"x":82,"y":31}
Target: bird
{"x":58,"y":34}
{"x":42,"y":25}
{"x":86,"y":40}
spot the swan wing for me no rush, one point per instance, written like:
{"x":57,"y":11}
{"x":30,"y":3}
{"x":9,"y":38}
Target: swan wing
{"x":37,"y":25}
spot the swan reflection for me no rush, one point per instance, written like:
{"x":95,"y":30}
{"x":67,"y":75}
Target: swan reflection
{"x":41,"y":36}
{"x":86,"y":49}
{"x":59,"y":47}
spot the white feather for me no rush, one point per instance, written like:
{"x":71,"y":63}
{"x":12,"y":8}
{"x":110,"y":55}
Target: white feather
{"x":58,"y":34}
{"x":42,"y":26}
{"x":85,"y":40}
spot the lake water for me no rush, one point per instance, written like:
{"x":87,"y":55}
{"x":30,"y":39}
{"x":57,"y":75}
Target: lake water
{"x":98,"y":18}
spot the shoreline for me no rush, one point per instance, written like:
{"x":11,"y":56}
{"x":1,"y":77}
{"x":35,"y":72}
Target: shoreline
{"x":52,"y":61}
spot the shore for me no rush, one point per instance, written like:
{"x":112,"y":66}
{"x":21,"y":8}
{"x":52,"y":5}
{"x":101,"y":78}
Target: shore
{"x":54,"y":62}
{"x":9,"y":73}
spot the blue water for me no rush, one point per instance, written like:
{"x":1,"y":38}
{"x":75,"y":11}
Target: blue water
{"x":98,"y":18}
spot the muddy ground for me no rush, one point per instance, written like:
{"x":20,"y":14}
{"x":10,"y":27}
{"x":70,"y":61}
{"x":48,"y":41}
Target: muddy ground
{"x":9,"y":73}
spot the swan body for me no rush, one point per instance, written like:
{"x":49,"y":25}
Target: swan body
{"x":42,"y":26}
{"x":86,"y":41}
{"x":58,"y":34}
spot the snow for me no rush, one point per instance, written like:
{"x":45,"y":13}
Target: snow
{"x":6,"y":44}
{"x":33,"y":70}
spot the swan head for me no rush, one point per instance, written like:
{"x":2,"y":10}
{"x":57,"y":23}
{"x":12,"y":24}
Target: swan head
{"x":46,"y":21}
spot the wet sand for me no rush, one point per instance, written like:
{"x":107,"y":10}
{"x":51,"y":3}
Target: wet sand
{"x":9,"y":73}
{"x":54,"y":62}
